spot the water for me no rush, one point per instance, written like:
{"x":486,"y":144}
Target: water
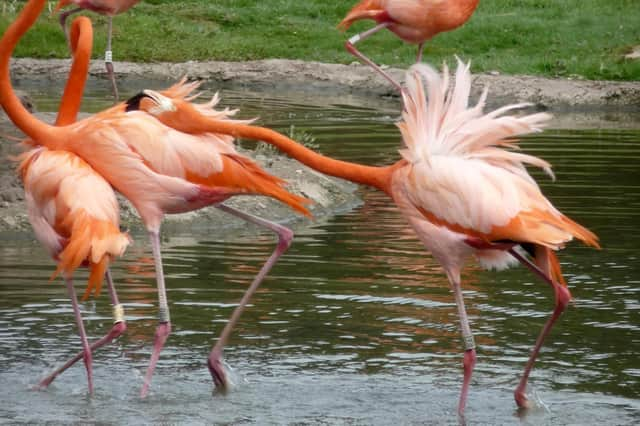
{"x":355,"y":324}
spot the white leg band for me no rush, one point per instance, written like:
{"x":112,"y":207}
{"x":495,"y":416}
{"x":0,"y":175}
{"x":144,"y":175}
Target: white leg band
{"x":163,"y":315}
{"x":118,"y":313}
{"x":108,"y":56}
{"x":469,"y":342}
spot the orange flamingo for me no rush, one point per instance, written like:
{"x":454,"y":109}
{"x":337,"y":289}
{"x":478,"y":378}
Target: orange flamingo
{"x":414,"y":21}
{"x":159,"y":169}
{"x":110,"y":8}
{"x":458,"y":186}
{"x":73,"y":210}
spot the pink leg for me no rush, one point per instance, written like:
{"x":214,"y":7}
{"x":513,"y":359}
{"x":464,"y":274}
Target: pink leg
{"x":351,"y":48}
{"x":164,"y":322}
{"x":119,"y":327}
{"x":562,"y":298}
{"x":83,"y":336}
{"x":469,"y":360}
{"x":285,"y":236}
{"x":63,"y":23}
{"x":108,"y":60}
{"x":419,"y":55}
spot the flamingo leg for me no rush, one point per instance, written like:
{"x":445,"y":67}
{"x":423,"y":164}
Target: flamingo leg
{"x":469,"y":360}
{"x":419,"y":55}
{"x":285,"y":236}
{"x":63,"y":22}
{"x":119,"y":327}
{"x":108,"y":60}
{"x":164,"y":321}
{"x":562,"y":298}
{"x":83,"y":335}
{"x":351,"y":48}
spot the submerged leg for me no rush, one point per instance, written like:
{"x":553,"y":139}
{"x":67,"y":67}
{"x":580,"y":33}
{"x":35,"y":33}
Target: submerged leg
{"x":83,"y":336}
{"x":108,"y":60}
{"x":164,"y":322}
{"x":119,"y":327}
{"x":351,"y":48}
{"x":469,"y":360}
{"x":285,"y":236}
{"x":562,"y":298}
{"x":63,"y":22}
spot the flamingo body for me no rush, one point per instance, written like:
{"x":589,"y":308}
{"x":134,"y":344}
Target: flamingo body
{"x":461,"y":180}
{"x":73,"y":211}
{"x":103,"y":7}
{"x":413,"y":21}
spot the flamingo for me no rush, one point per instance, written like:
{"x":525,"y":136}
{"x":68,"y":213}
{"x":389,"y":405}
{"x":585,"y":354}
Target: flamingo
{"x":81,"y":40}
{"x":458,"y":185}
{"x":110,"y":8}
{"x":159,"y":169}
{"x":413,"y":21}
{"x":73,"y":210}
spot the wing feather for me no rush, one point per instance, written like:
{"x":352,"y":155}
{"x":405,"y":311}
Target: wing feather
{"x":465,"y":170}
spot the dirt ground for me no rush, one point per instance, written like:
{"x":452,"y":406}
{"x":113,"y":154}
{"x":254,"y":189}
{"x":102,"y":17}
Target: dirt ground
{"x":544,"y":92}
{"x":558,"y":95}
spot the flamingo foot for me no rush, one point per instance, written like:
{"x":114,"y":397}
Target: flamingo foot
{"x":88,"y":363}
{"x":116,"y":331}
{"x":468,"y":363}
{"x":219,"y":372}
{"x":162,"y":332}
{"x":521,"y":398}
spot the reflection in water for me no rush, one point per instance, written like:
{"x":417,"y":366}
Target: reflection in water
{"x":356,"y":323}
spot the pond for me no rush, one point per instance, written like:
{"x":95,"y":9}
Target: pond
{"x":356,"y":323}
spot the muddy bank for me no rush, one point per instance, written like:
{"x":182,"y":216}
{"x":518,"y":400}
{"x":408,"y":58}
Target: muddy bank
{"x":356,"y":78}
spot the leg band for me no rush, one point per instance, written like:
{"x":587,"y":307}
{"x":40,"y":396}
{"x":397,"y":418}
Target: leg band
{"x":108,"y":56}
{"x":469,"y":342}
{"x":118,"y":313}
{"x":163,"y":314}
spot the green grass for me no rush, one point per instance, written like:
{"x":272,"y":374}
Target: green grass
{"x":569,"y":38}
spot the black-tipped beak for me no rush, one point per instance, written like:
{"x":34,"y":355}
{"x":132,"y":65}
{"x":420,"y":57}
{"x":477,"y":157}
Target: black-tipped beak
{"x":133,"y":103}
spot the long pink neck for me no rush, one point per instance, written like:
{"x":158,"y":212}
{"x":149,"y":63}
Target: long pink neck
{"x":81,"y":36}
{"x":377,"y":177}
{"x":40,"y":132}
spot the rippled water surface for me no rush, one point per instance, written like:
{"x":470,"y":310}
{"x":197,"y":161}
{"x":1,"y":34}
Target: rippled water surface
{"x":356,"y":324}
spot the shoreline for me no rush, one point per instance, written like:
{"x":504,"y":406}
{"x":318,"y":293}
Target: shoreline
{"x":557,"y":93}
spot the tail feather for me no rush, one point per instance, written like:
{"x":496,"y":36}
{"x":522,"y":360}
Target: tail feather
{"x":546,"y":259}
{"x":96,"y":277}
{"x":581,"y":233}
{"x":366,"y":9}
{"x":259,"y":181}
{"x":93,"y":241}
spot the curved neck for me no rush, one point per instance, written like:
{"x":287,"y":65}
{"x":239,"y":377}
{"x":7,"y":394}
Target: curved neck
{"x":377,"y":177}
{"x":81,"y":37}
{"x":40,"y":132}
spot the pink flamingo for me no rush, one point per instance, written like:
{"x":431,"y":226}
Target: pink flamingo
{"x":459,"y":186}
{"x":73,"y":210}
